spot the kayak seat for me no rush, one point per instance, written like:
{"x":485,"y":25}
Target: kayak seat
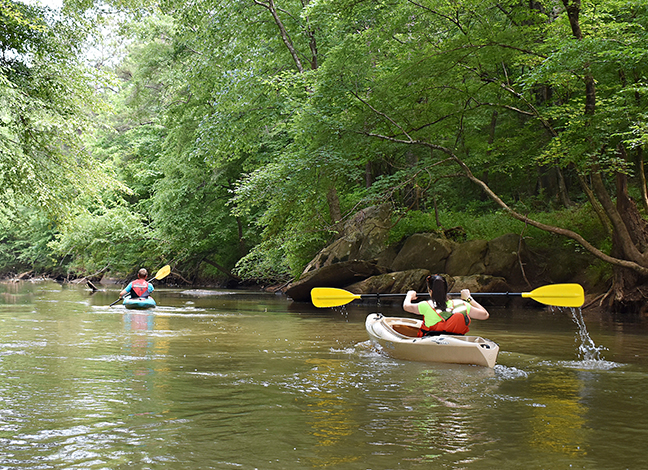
{"x":406,"y":330}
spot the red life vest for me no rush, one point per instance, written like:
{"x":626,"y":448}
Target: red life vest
{"x":456,"y":321}
{"x":455,"y":324}
{"x":140,"y":288}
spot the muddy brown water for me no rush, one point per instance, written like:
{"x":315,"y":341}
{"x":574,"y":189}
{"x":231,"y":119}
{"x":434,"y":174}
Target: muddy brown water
{"x":239,"y":380}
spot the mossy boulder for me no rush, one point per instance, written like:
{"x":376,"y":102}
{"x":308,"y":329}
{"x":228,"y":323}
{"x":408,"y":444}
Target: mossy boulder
{"x":467,"y":258}
{"x":364,"y":237}
{"x":505,"y":256}
{"x":392,"y":283}
{"x":479,"y":283}
{"x":423,"y":251}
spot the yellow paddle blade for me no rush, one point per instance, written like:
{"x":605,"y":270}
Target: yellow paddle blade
{"x":331,"y":297}
{"x":163,"y":272}
{"x":560,"y":295}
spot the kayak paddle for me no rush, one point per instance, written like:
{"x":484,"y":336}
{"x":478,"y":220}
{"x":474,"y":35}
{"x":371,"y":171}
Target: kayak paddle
{"x":161,"y":274}
{"x":560,"y":295}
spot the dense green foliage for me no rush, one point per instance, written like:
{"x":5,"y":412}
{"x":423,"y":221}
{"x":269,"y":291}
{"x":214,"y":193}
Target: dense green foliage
{"x":244,"y":132}
{"x":45,"y":98}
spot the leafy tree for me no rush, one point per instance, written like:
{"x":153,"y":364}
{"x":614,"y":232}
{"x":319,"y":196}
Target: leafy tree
{"x":25,"y":235}
{"x":113,"y":239}
{"x":45,"y":96}
{"x":559,"y":75}
{"x":252,"y":128}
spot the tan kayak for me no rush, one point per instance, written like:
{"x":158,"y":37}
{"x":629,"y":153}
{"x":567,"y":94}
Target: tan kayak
{"x":397,"y":336}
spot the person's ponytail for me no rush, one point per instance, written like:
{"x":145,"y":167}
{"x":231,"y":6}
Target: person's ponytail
{"x":438,"y":288}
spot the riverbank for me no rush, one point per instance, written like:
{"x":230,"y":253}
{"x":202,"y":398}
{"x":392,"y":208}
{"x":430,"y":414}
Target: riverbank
{"x":363,"y":260}
{"x":371,"y":254}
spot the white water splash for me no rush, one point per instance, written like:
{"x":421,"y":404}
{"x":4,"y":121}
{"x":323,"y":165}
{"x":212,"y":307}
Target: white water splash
{"x":343,"y":311}
{"x":588,"y":351}
{"x":510,"y":372}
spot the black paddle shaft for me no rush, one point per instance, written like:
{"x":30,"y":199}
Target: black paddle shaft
{"x":426,"y":295}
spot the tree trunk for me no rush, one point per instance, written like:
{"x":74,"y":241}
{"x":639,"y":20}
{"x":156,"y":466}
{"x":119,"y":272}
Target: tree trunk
{"x":368,"y":175}
{"x":637,"y":225}
{"x":334,"y":205}
{"x":641,"y":171}
{"x":563,"y":193}
{"x":605,"y":222}
{"x":629,"y":291}
{"x":573,"y":13}
{"x":622,"y":240}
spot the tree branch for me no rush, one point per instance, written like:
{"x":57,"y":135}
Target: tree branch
{"x":271,"y":7}
{"x":380,"y":113}
{"x":633,"y":265}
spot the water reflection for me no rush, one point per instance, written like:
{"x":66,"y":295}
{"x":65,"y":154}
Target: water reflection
{"x":557,"y":416}
{"x":442,"y":417}
{"x":329,"y":413}
{"x":13,"y":293}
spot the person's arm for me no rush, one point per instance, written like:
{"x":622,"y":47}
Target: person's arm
{"x":126,"y":290}
{"x":477,"y":311}
{"x":408,"y":304}
{"x":150,"y":288}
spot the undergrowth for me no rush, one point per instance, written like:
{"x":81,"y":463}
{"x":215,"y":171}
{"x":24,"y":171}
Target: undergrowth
{"x":490,"y":225}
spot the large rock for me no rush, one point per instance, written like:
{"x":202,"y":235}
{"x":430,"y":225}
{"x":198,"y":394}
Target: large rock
{"x":479,"y":283}
{"x":423,"y":251}
{"x":336,"y":275}
{"x":403,"y":281}
{"x":504,"y":256}
{"x":564,"y":266}
{"x":467,"y":258}
{"x":364,"y":237}
{"x":482,"y":283}
{"x":392,"y":283}
{"x":387,"y":257}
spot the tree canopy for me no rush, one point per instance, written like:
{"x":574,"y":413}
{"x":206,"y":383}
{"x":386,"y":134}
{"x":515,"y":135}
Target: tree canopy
{"x":235,"y":137}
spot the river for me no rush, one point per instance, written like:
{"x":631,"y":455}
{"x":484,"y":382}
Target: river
{"x":242,"y":380}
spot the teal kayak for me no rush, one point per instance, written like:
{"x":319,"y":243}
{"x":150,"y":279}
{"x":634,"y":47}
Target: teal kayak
{"x":139,"y":303}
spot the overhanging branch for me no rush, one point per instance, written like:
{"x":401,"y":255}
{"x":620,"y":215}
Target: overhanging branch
{"x":516,"y":215}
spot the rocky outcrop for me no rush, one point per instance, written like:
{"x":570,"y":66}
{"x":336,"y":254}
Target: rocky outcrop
{"x":423,"y":251}
{"x":335,"y":275}
{"x":362,"y":262}
{"x":479,"y":283}
{"x":364,"y":237}
{"x":505,"y":255}
{"x":467,"y":258}
{"x":392,"y":283}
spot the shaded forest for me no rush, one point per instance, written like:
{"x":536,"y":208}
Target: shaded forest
{"x":231,"y":139}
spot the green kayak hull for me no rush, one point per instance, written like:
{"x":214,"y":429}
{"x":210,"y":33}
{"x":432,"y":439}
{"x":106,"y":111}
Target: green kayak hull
{"x":139,"y":304}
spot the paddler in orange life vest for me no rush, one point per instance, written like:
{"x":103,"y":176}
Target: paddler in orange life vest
{"x":139,"y":288}
{"x":441,"y":314}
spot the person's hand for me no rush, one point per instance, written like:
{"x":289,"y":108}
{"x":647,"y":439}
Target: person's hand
{"x":411,"y":294}
{"x":465,"y":294}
